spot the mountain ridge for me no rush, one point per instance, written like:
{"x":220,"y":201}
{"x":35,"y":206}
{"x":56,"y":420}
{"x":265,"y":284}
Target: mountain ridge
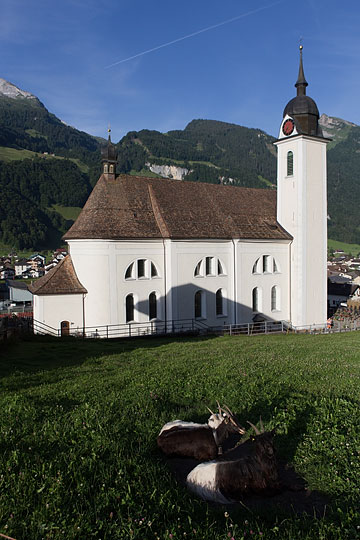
{"x":63,"y":160}
{"x":11,"y":91}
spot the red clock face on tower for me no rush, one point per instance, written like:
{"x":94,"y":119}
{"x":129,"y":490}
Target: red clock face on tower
{"x":288,"y":127}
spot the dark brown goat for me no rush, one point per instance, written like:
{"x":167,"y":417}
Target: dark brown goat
{"x":198,"y":441}
{"x":227,"y":481}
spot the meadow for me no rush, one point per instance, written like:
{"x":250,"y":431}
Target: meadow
{"x":79,"y":420}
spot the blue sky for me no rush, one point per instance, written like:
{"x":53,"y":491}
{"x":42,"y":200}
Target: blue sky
{"x":242,"y":71}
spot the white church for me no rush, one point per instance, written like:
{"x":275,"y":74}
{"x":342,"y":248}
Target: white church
{"x":155,"y":250}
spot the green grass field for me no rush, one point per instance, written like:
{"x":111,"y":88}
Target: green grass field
{"x":79,"y":421}
{"x":67,"y":212}
{"x":12,"y":154}
{"x":354,"y":249}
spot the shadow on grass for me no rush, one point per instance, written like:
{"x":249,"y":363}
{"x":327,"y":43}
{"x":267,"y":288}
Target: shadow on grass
{"x":45,"y":353}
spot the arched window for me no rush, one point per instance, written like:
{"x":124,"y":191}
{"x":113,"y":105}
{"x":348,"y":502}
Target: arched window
{"x":111,"y":168}
{"x":106,"y":167}
{"x":255,"y":269}
{"x":129,"y":271}
{"x":152,"y":306}
{"x":198,"y":311}
{"x":275,"y":298}
{"x":290,"y":163}
{"x":266,"y":263}
{"x":219,"y":300}
{"x":129,"y":308}
{"x":256,"y":299}
{"x":141,"y":269}
{"x":154,"y":272}
{"x":197,"y":269}
{"x":209,"y":266}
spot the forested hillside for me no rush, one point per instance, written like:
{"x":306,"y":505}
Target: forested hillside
{"x":213,"y":151}
{"x":344,"y":189}
{"x":28,"y":189}
{"x":27,"y":124}
{"x":44,"y":163}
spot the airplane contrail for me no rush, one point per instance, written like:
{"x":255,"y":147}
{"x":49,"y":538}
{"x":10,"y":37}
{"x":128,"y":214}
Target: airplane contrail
{"x":195,"y":33}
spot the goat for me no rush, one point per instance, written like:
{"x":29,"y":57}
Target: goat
{"x":198,"y":441}
{"x":225,"y":482}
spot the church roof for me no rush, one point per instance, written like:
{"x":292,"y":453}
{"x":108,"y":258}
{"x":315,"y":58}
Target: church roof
{"x":61,"y":279}
{"x":134,"y":207}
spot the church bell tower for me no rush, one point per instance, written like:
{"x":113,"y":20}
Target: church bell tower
{"x":302,"y":205}
{"x":109,"y":159}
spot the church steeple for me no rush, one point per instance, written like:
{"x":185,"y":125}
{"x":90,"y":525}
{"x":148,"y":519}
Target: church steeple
{"x":302,"y":109}
{"x":109,"y":158}
{"x":301,"y":82}
{"x":302,"y":205}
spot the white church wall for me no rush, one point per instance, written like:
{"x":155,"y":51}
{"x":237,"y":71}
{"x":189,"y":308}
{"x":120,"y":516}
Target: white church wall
{"x":129,"y":253}
{"x":91,"y":260}
{"x":101,"y":268}
{"x":301,"y":210}
{"x":182,"y":259}
{"x":250,"y":252}
{"x":101,"y":265}
{"x":52,"y":309}
{"x":316,"y":233}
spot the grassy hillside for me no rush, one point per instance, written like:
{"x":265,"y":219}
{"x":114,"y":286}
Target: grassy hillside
{"x":354,"y":249}
{"x":67,"y":212}
{"x":12,"y":154}
{"x":79,"y":424}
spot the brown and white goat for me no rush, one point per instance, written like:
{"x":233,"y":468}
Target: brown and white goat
{"x":226,"y":482}
{"x":199,"y":441}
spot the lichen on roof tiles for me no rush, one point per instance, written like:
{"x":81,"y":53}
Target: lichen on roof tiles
{"x":140,"y":207}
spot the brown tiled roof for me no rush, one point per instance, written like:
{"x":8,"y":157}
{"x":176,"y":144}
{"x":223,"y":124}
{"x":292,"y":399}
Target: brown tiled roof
{"x":137,"y":207}
{"x":61,"y":279}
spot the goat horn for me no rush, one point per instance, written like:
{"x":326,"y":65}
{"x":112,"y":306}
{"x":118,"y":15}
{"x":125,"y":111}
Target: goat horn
{"x":254,"y":428}
{"x":227,"y":410}
{"x":218,"y":406}
{"x":234,"y":420}
{"x":262,"y":426}
{"x":210,"y":411}
{"x":236,"y":424}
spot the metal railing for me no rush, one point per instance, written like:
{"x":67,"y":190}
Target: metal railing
{"x":333,"y":328}
{"x":249,"y":329}
{"x":133,"y":329}
{"x":190,"y":326}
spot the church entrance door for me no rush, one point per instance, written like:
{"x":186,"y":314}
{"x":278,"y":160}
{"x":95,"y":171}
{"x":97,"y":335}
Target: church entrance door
{"x":65,"y":328}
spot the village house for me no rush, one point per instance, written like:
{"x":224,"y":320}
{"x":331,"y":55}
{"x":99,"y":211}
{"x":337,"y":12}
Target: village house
{"x":21,"y":266}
